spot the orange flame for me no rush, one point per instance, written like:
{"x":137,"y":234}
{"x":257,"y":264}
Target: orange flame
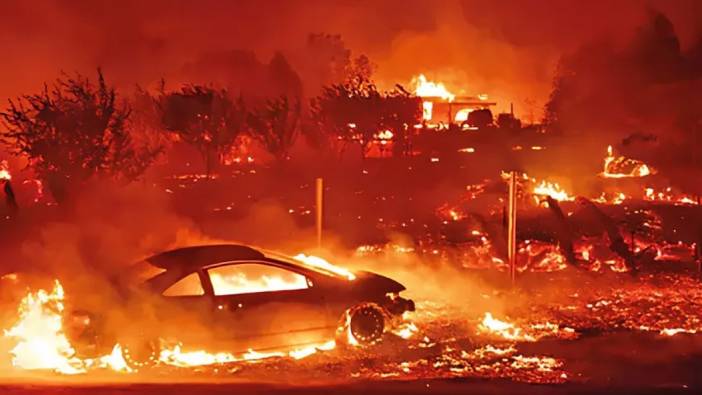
{"x":42,"y":344}
{"x":506,"y":330}
{"x":323,"y":264}
{"x":426,"y":88}
{"x":622,"y":167}
{"x":553,"y":190}
{"x":4,"y":171}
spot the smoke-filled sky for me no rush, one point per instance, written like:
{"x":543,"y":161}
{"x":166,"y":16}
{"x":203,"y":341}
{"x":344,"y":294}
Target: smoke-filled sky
{"x":506,"y":48}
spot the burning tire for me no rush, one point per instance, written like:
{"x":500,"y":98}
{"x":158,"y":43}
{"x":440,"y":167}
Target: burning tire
{"x":140,"y":353}
{"x":366,"y":323}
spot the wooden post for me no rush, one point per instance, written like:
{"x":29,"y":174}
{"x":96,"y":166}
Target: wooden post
{"x":319,"y":205}
{"x":512,"y":227}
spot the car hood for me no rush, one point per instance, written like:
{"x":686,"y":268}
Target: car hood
{"x":374,"y":282}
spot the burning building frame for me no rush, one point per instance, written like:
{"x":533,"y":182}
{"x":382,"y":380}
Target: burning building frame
{"x":440,"y":106}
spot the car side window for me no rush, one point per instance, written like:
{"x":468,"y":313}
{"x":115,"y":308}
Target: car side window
{"x":189,"y":285}
{"x":247,"y":278}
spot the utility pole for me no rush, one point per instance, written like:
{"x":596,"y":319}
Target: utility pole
{"x":319,"y":206}
{"x":512,"y":227}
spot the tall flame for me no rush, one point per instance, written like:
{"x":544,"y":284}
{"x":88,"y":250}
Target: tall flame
{"x":42,"y":343}
{"x":426,"y":88}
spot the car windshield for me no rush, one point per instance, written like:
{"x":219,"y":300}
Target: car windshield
{"x":313,"y":263}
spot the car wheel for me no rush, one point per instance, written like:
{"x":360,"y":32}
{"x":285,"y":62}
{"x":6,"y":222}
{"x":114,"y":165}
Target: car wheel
{"x":140,"y":354}
{"x":366,"y":324}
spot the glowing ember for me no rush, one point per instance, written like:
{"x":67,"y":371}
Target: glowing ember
{"x":323,"y":264}
{"x":675,"y":331}
{"x":506,"y":330}
{"x":385,"y":135}
{"x":406,"y":330}
{"x":668,"y":196}
{"x":542,"y":364}
{"x":622,"y":167}
{"x":539,"y":256}
{"x":553,"y":190}
{"x":177,"y":357}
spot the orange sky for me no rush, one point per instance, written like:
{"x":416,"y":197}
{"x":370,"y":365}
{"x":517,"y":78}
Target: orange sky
{"x":507,"y":49}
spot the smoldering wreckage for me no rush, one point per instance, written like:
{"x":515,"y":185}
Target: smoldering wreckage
{"x":633,"y":251}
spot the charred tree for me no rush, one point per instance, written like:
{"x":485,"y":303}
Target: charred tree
{"x":73,"y":131}
{"x":275,"y":126}
{"x":205,"y":118}
{"x":349,"y":112}
{"x":616,"y":241}
{"x":563,"y":232}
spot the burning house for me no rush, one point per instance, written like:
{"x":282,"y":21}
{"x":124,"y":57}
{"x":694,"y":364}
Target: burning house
{"x":441,"y":107}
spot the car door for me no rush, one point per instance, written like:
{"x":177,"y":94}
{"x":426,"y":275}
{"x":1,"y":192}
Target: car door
{"x":263,"y":305}
{"x":185,"y":310}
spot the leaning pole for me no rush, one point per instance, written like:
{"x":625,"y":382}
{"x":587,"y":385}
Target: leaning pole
{"x":512,"y":227}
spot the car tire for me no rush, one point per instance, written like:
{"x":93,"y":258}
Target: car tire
{"x":140,"y":354}
{"x":366,"y":323}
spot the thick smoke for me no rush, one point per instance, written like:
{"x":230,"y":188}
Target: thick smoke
{"x":641,"y":95}
{"x":475,"y":46}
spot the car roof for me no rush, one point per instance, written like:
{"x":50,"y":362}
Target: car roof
{"x":195,"y":257}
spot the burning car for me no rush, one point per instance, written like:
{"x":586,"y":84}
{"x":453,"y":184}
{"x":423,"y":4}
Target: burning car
{"x":237,"y":298}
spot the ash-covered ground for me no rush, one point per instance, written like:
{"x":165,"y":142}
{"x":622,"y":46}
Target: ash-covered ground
{"x":596,"y":325}
{"x":596,"y":332}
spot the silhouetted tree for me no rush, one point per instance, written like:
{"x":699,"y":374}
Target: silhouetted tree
{"x":275,"y":125}
{"x":204,"y":117}
{"x":400,"y":111}
{"x":348,"y":112}
{"x":145,"y":119}
{"x":73,"y":131}
{"x":356,"y":111}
